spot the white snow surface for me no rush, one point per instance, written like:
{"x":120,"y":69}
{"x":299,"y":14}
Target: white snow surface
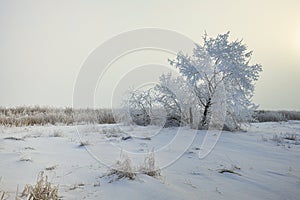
{"x":265,"y":162}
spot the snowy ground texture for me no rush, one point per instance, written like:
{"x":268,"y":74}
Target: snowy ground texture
{"x":265,"y":161}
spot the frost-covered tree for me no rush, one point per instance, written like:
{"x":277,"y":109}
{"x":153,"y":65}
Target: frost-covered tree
{"x":220,"y":65}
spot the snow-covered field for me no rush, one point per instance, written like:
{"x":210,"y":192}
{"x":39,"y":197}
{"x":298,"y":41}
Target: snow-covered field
{"x":262,"y":163}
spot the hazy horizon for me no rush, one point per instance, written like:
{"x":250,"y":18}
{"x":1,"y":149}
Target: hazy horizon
{"x":45,"y":43}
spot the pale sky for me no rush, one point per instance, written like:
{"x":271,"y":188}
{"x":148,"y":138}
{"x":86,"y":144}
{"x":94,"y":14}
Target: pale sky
{"x":43,"y":44}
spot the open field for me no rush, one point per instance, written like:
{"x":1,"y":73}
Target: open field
{"x":263,"y":163}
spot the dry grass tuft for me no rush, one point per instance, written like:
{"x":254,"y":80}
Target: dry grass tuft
{"x":83,"y":144}
{"x":286,"y":139}
{"x":57,"y":134}
{"x":51,"y":168}
{"x":149,"y":167}
{"x":3,"y":197}
{"x":291,"y":136}
{"x":122,"y":169}
{"x":25,"y":159}
{"x":43,"y":190}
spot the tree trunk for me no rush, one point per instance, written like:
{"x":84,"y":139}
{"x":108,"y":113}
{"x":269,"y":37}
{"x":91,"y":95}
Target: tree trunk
{"x":191,"y":117}
{"x":204,"y":121}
